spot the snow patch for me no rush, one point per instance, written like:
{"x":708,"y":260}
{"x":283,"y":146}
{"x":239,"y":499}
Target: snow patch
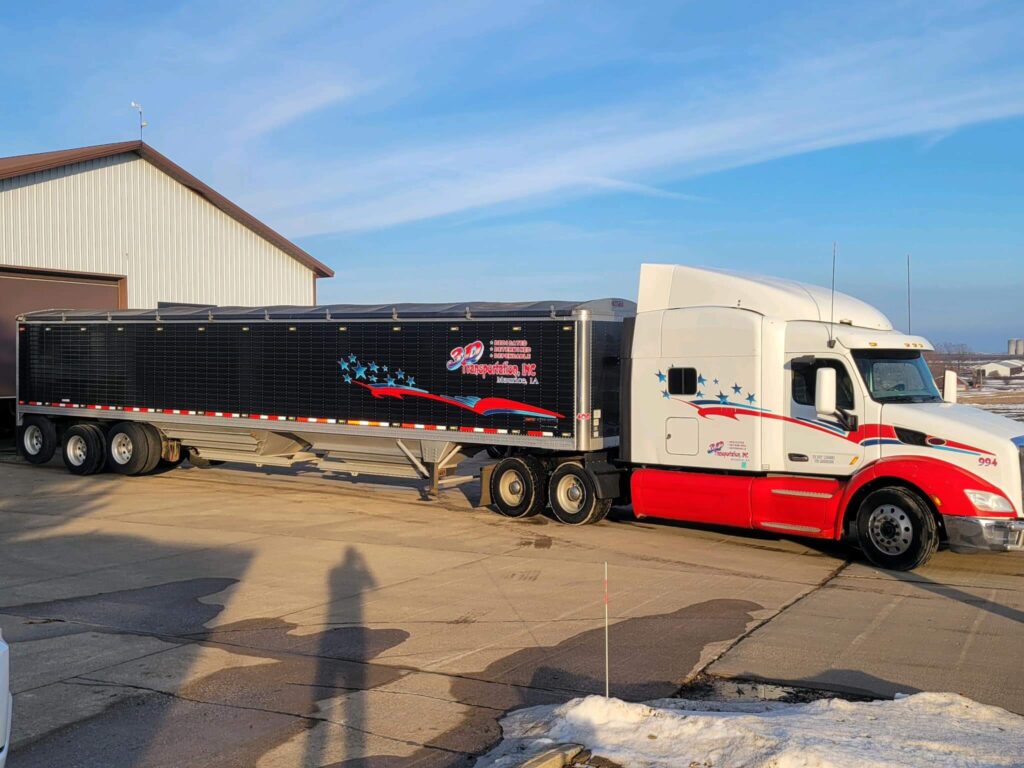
{"x":926,"y":730}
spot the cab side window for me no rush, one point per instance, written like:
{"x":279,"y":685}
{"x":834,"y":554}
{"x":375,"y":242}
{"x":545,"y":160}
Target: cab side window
{"x":805,"y":376}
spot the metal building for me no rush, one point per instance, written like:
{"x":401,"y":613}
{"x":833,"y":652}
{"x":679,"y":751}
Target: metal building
{"x":120,"y":225}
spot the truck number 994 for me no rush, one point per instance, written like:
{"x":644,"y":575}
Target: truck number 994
{"x":987,"y":461}
{"x":466,"y":355}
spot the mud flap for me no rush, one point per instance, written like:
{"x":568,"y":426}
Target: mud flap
{"x":485,"y":485}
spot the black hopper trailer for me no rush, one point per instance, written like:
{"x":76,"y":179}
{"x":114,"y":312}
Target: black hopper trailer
{"x":405,"y":390}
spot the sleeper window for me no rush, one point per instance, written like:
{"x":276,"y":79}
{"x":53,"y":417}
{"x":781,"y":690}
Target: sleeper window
{"x":682,"y":381}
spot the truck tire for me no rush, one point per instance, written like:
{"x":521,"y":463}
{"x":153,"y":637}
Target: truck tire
{"x":896,"y":529}
{"x":517,"y":486}
{"x":37,"y":439}
{"x":84,"y":449}
{"x":128,"y":448}
{"x":155,"y":448}
{"x":573,"y":496}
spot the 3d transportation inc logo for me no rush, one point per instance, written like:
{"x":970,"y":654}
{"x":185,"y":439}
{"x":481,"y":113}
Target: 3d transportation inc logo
{"x":467,"y":359}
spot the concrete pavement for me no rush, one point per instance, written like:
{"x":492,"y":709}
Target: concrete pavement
{"x":230,"y":618}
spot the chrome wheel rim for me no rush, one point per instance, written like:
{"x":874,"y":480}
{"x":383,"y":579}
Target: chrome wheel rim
{"x":571,"y":494}
{"x":512,"y":488}
{"x":890,"y":529}
{"x":76,"y":450}
{"x":32,"y":440}
{"x":121,"y":448}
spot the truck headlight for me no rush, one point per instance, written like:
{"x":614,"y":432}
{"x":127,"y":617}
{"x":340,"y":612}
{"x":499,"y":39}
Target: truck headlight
{"x":984,"y":501}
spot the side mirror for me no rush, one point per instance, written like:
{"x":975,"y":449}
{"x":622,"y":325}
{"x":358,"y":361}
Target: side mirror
{"x":949,"y":383}
{"x":825,"y":391}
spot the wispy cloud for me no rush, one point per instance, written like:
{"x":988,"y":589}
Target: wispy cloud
{"x":927,"y":83}
{"x":290,"y":107}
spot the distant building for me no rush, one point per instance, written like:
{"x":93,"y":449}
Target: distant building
{"x":1001,"y":370}
{"x":1015,"y":347}
{"x":120,"y":225}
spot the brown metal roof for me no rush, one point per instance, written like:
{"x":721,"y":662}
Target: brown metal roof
{"x":43,"y":161}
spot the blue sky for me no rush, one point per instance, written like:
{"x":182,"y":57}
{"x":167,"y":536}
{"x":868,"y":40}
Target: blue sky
{"x":513,"y":150}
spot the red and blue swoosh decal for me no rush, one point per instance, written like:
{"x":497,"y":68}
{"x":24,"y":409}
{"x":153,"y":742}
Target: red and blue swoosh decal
{"x":482,"y":406}
{"x":865,"y":435}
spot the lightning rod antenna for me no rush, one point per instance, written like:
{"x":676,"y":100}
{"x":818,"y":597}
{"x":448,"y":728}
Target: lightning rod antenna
{"x":832,"y":310}
{"x":908,"y":294}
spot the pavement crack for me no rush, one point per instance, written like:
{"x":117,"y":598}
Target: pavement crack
{"x":834,"y":573}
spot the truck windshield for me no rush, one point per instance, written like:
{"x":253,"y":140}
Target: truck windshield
{"x":896,"y":376}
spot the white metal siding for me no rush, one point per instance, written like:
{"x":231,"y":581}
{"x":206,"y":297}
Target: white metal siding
{"x":121,"y":215}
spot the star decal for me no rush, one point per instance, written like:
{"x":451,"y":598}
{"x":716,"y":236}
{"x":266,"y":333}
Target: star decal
{"x":373,"y":379}
{"x":714,"y":381}
{"x":661,"y":376}
{"x":384,"y":368}
{"x":352,"y":358}
{"x":348,"y":379}
{"x":699,"y":394}
{"x":751,"y":398}
{"x":410,"y":381}
{"x":343,"y":364}
{"x":390,"y":380}
{"x":400,"y":373}
{"x":722,"y":398}
{"x":360,"y":371}
{"x":665,"y":394}
{"x":374,"y":367}
{"x":736,"y":389}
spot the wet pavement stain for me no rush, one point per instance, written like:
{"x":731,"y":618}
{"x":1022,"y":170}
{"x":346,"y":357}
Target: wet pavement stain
{"x":537,"y":541}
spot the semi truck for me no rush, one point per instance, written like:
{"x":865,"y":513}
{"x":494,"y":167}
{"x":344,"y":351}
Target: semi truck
{"x":717,"y":398}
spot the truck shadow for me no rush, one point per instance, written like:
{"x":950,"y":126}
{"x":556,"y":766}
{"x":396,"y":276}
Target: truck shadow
{"x":954,"y":593}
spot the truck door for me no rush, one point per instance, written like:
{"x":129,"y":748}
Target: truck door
{"x":824,"y":445}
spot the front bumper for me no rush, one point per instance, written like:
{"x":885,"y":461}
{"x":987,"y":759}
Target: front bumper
{"x":984,"y":534}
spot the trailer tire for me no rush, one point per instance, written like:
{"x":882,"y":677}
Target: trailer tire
{"x":37,"y":439}
{"x":84,"y":449}
{"x":896,"y":529}
{"x":128,"y":448}
{"x":572,"y":492}
{"x":155,"y":448}
{"x":517,"y":486}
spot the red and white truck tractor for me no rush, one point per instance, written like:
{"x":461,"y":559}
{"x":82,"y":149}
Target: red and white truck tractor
{"x":777,"y":405}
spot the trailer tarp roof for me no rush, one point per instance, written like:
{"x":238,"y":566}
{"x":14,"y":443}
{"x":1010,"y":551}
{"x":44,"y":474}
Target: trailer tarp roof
{"x":464,"y":310}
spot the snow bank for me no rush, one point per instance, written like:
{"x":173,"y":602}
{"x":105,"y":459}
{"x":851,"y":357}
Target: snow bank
{"x":931,"y":730}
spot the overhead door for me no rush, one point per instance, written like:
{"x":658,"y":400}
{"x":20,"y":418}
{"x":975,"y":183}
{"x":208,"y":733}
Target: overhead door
{"x":27,"y":290}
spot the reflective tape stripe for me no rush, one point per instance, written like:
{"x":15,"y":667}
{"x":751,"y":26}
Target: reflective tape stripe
{"x":302,"y":419}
